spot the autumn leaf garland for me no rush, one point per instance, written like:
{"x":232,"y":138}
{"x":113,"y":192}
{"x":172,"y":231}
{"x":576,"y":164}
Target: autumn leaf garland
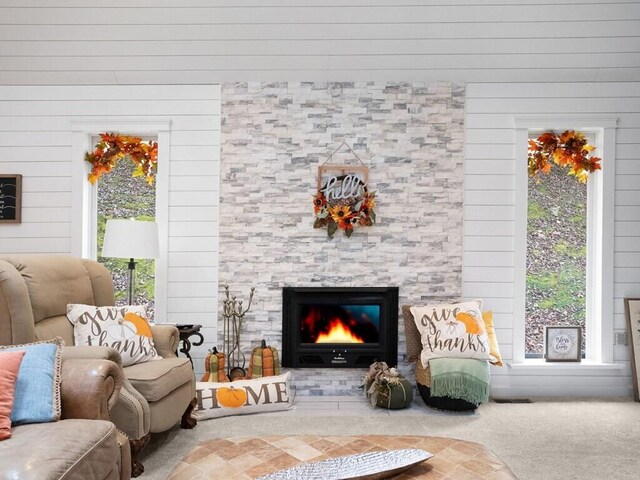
{"x":569,"y":150}
{"x":113,"y":147}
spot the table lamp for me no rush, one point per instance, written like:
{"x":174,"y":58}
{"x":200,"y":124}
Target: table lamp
{"x":130,"y":239}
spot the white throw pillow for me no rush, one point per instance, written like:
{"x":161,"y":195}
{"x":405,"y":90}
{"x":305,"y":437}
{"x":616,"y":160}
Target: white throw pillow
{"x":124,"y":328}
{"x":452,"y":330}
{"x":266,"y":394}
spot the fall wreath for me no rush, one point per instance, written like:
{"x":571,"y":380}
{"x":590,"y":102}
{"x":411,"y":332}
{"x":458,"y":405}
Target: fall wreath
{"x":113,"y":147}
{"x":570,"y":150}
{"x":344,"y":213}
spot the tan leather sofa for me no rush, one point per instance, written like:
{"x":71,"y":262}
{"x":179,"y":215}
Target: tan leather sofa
{"x":84,"y":444}
{"x":34,"y":293}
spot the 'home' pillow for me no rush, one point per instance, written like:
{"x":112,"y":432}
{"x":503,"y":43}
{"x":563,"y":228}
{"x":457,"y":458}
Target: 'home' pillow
{"x":9,"y":367}
{"x":452,"y":330}
{"x":266,"y":394}
{"x":124,"y":328}
{"x":37,"y":391}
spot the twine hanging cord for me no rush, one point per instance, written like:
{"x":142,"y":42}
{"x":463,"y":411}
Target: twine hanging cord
{"x":344,"y":144}
{"x":362,"y":168}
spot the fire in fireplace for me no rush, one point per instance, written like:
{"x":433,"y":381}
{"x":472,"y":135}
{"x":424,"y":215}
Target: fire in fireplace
{"x":339,"y":327}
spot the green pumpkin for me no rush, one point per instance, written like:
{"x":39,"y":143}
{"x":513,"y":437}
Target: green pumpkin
{"x":398,"y":396}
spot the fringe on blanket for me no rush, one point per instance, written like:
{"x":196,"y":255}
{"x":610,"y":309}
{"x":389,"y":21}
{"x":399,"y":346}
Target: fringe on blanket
{"x":460,"y":385}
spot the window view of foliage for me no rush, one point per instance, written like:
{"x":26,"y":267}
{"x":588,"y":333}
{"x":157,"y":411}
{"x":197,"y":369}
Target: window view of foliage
{"x":556,"y":255}
{"x":122,"y":196}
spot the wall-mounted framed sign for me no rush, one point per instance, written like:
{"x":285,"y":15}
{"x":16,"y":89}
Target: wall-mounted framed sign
{"x":343,"y":200}
{"x":11,"y":198}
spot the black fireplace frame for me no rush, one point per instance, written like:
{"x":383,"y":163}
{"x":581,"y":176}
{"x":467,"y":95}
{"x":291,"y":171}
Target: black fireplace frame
{"x":298,"y":355}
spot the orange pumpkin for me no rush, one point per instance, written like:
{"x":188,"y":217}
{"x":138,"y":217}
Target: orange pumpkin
{"x":231,"y":397}
{"x":141,"y":325}
{"x":472,"y":324}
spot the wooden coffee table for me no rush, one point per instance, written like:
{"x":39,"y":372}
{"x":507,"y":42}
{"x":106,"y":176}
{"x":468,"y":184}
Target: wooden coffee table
{"x":246,"y":458}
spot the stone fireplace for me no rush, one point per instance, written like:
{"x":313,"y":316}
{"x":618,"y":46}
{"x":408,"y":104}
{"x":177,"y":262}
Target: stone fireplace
{"x":275,"y":136}
{"x":339,"y":327}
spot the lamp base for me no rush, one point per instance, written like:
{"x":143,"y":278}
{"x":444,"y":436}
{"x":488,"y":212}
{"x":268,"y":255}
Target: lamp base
{"x":132,"y":276}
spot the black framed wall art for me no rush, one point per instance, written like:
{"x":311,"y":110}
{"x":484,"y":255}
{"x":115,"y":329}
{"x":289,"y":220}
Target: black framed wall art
{"x":10,"y":198}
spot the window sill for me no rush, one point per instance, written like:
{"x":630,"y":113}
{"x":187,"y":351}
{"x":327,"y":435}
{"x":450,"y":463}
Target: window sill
{"x":539,"y":367}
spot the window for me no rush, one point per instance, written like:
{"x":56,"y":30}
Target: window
{"x":556,"y":287}
{"x":84,"y":222}
{"x":599,"y":233}
{"x":120,"y":195}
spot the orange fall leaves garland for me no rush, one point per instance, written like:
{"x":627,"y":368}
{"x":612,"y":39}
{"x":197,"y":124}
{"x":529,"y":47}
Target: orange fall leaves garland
{"x":570,"y":149}
{"x":113,"y":147}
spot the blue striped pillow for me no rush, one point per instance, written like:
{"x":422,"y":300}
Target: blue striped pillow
{"x":37,"y":391}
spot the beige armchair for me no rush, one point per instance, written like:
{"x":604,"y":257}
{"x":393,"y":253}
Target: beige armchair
{"x":34,"y":293}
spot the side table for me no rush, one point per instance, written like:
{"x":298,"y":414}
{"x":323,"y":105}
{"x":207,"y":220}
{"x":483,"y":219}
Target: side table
{"x":186,"y":331}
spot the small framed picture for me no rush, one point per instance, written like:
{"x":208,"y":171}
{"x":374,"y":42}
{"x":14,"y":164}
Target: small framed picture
{"x":10,"y":198}
{"x":563,"y":344}
{"x":632,"y":311}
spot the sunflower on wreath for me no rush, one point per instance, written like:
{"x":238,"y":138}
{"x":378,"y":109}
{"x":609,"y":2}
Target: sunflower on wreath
{"x":344,"y":214}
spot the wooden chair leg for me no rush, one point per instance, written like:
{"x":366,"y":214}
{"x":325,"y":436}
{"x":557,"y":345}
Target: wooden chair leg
{"x":188,"y":421}
{"x":136,"y":447}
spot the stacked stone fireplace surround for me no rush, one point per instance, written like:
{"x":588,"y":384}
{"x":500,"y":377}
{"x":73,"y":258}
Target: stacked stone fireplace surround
{"x":275,"y":135}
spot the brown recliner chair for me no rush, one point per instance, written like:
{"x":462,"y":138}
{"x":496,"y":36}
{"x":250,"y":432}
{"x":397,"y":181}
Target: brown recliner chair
{"x":34,"y":293}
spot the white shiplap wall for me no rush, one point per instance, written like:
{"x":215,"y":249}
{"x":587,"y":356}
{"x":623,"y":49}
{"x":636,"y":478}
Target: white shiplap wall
{"x":209,"y":41}
{"x":36,"y":141}
{"x":528,"y":46}
{"x":488,"y":261}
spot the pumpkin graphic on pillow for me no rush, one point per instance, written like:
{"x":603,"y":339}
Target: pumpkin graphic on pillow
{"x":140,"y":325}
{"x":453,"y":329}
{"x":472,"y":324}
{"x":121,"y":331}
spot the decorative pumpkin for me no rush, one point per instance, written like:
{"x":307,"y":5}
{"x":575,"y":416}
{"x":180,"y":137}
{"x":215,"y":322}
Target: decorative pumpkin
{"x":231,"y":397}
{"x":385,"y":387}
{"x":264,"y":362}
{"x":396,"y":396}
{"x":214,"y":367}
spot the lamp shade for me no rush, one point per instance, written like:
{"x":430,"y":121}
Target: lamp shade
{"x":130,"y":239}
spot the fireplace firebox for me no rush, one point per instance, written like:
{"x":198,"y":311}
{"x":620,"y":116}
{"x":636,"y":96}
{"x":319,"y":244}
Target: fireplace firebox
{"x":339,"y":327}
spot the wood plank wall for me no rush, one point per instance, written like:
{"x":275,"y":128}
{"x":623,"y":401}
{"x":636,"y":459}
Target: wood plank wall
{"x":209,"y":41}
{"x":516,"y":56}
{"x":36,"y":141}
{"x":488,"y":257}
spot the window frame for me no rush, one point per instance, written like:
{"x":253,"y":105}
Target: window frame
{"x":600,"y":231}
{"x":84,"y":194}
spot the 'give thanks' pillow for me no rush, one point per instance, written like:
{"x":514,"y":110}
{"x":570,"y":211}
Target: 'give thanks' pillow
{"x":124,"y":328}
{"x":452,"y":330}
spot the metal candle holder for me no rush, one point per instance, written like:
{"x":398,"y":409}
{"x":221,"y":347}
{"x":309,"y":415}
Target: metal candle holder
{"x":233,"y":314}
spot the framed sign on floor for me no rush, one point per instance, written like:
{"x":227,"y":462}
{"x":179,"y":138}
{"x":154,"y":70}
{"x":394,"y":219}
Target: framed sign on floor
{"x":632,"y":310}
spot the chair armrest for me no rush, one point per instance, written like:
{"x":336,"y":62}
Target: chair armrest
{"x":89,"y":388}
{"x":130,"y":412}
{"x":96,"y":353}
{"x":166,"y":339}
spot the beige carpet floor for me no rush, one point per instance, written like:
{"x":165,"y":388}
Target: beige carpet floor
{"x":545,"y":440}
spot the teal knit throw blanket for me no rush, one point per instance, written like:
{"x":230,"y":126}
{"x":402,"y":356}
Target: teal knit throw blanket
{"x":463,"y":378}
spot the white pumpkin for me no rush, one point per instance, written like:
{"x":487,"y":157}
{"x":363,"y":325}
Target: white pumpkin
{"x":453,"y":329}
{"x":122,"y":331}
